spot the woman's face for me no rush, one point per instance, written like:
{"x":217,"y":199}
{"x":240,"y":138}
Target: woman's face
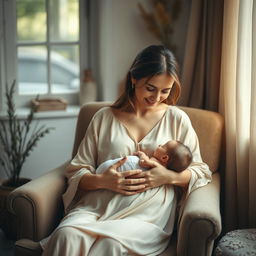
{"x":152,"y":92}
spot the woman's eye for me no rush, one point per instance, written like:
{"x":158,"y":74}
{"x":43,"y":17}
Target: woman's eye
{"x":150,"y":89}
{"x":166,"y":91}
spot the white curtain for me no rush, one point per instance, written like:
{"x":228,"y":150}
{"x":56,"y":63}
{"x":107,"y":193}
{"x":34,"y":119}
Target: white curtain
{"x":238,"y":106}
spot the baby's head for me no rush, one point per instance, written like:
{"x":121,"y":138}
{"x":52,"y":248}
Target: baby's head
{"x":174,"y":155}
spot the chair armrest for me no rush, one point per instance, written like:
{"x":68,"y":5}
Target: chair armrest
{"x":200,"y":223}
{"x":38,"y":204}
{"x":26,"y":247}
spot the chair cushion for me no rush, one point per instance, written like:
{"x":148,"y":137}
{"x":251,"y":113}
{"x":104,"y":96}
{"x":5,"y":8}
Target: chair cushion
{"x":237,"y":242}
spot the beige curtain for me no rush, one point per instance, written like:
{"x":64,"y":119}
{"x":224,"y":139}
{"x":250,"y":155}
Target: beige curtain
{"x":238,"y":106}
{"x":201,"y":66}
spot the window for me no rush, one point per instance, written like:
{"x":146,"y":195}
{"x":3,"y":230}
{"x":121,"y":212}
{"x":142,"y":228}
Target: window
{"x":44,"y":45}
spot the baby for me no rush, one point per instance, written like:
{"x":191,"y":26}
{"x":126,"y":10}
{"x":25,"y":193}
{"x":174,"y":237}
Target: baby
{"x":173,"y":155}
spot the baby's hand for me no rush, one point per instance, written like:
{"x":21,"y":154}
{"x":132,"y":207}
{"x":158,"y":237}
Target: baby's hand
{"x":147,"y":163}
{"x":141,"y":155}
{"x":144,"y":159}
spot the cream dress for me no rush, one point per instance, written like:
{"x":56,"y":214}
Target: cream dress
{"x":142,"y":223}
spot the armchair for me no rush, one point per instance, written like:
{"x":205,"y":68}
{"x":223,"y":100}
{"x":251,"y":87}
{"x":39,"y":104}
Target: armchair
{"x":38,"y":204}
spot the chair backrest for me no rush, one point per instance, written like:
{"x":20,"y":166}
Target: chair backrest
{"x":207,"y":124}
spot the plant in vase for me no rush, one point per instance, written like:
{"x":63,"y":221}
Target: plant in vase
{"x":17,"y":140}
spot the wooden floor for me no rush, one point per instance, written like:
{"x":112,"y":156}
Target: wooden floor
{"x":6,"y":246}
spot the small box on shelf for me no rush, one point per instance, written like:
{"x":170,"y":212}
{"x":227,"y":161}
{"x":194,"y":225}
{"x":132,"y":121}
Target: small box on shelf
{"x":49,"y":104}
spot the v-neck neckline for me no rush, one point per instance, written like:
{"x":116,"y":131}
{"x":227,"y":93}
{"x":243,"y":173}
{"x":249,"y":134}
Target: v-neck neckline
{"x":150,"y":131}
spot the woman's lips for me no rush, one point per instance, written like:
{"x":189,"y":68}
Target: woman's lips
{"x":150,"y":102}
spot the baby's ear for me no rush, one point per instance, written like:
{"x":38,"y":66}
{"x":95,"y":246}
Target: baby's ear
{"x":165,"y":158}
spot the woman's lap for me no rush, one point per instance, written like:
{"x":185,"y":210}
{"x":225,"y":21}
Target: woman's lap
{"x":89,"y":233}
{"x":72,"y":241}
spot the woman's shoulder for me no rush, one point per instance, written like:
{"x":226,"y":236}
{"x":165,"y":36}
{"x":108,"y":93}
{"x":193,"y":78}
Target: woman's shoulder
{"x":103,"y":112}
{"x":179,"y":117}
{"x":177,"y":112}
{"x":103,"y":115}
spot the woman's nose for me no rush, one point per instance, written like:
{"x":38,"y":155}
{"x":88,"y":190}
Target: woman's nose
{"x":156,"y":96}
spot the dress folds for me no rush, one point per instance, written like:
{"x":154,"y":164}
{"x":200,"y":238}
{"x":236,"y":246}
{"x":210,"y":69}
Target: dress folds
{"x":142,"y":223}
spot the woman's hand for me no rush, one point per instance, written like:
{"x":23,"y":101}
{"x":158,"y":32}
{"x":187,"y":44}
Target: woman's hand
{"x":125,"y":183}
{"x":159,"y":175}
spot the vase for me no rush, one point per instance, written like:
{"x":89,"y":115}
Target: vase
{"x":88,"y":88}
{"x":8,"y":221}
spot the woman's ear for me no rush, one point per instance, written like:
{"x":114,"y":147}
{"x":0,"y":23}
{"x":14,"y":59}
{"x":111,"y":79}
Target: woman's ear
{"x":133,"y":80}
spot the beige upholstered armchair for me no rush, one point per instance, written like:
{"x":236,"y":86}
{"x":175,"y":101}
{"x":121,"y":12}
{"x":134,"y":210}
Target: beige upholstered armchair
{"x":38,"y":204}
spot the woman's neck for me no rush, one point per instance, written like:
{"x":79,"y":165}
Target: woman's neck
{"x":144,"y":111}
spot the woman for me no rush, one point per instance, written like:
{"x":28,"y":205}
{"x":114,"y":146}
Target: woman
{"x":97,"y":221}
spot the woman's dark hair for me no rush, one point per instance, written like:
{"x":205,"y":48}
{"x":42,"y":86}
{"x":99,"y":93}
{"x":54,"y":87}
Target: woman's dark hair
{"x":153,"y":60}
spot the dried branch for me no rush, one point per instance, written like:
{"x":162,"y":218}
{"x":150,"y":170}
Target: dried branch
{"x":161,"y":21}
{"x":16,"y":138}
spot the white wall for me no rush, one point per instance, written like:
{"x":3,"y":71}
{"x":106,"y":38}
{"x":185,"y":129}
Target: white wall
{"x":53,"y":149}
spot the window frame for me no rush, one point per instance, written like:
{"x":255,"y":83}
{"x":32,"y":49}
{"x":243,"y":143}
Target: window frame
{"x":8,"y":52}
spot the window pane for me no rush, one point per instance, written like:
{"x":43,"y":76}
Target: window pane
{"x":65,"y":69}
{"x":32,"y":70}
{"x":64,"y":20}
{"x":31,"y":20}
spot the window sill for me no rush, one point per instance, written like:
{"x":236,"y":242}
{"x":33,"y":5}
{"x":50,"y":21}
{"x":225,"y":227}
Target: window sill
{"x":71,"y":111}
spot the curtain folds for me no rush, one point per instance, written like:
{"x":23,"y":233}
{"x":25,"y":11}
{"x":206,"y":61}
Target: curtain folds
{"x":201,"y":67}
{"x":252,"y":151}
{"x":219,"y":74}
{"x":237,"y":92}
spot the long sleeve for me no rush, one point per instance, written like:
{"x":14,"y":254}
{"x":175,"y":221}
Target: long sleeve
{"x":84,"y":162}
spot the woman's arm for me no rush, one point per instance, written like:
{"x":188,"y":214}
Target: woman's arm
{"x":159,"y":175}
{"x":171,"y":177}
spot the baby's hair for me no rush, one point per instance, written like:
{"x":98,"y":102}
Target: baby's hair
{"x":180,"y":157}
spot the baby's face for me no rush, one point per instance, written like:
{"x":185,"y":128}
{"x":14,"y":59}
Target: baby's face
{"x":161,"y":150}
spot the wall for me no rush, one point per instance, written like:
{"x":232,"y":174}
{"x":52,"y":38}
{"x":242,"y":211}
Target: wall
{"x":53,"y":149}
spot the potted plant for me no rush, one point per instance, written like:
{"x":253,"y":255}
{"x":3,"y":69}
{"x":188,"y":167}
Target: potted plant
{"x":17,"y":140}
